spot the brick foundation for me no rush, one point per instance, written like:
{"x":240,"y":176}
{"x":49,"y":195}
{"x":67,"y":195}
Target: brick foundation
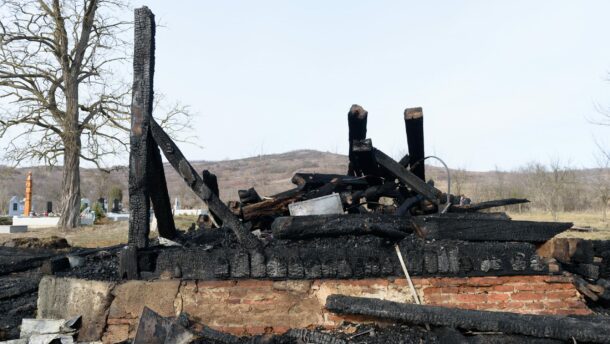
{"x":257,"y":306}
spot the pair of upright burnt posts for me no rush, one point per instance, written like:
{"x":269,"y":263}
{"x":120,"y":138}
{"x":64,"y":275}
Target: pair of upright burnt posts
{"x":146,"y":176}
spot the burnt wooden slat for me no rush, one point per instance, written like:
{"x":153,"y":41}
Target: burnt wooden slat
{"x":414,"y":125}
{"x":210,"y":180}
{"x":356,"y":120}
{"x":486,"y":205}
{"x":308,"y":181}
{"x":347,"y":256}
{"x":195,"y":182}
{"x":406,"y":177}
{"x":301,"y":227}
{"x":271,"y":207}
{"x":249,"y":196}
{"x":159,"y":196}
{"x":543,"y":326}
{"x":486,"y":229}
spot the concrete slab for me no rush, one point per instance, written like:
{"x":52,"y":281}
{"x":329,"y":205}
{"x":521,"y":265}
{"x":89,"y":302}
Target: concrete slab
{"x":36,"y":222}
{"x":6,"y":229}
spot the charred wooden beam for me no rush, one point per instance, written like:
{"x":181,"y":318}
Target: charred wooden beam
{"x":484,"y":228}
{"x":302,"y":227}
{"x":406,"y":177}
{"x":146,"y":174}
{"x":387,"y":189}
{"x":210,"y":180}
{"x":404,"y":161}
{"x":141,"y":109}
{"x":195,"y":182}
{"x":314,"y":337}
{"x":414,"y":124}
{"x":309,"y":181}
{"x":403,"y":209}
{"x":157,"y":186}
{"x":543,"y":326}
{"x":486,"y":205}
{"x":364,"y":158}
{"x":356,"y":120}
{"x":249,"y":196}
{"x":477,"y":216}
{"x":271,"y":207}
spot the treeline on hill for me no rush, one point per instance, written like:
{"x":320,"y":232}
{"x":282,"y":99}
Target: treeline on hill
{"x":552,"y":188}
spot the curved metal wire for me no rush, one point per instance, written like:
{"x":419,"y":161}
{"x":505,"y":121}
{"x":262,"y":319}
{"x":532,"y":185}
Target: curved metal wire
{"x":444,"y":210}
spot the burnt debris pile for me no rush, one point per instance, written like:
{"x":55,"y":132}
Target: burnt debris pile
{"x":380,"y":218}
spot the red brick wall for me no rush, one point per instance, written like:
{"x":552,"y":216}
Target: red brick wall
{"x":258,"y":306}
{"x":521,"y":294}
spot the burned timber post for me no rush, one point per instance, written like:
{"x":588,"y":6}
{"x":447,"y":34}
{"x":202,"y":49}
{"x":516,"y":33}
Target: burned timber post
{"x":414,"y":125}
{"x":146,"y":175}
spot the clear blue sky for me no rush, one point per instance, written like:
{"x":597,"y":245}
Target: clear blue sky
{"x":502,"y":83}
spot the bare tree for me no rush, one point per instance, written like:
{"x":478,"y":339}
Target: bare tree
{"x":458,"y":180}
{"x":55,"y":62}
{"x":59,"y":64}
{"x":602,"y":184}
{"x":548,"y":185}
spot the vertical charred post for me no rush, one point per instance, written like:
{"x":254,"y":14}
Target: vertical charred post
{"x":414,"y":123}
{"x":146,"y":175}
{"x":356,"y":120}
{"x":141,"y":107}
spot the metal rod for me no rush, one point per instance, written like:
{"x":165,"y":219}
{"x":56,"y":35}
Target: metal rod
{"x":411,"y":286}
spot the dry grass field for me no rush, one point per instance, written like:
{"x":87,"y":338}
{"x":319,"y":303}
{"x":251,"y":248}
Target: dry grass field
{"x":107,"y":234}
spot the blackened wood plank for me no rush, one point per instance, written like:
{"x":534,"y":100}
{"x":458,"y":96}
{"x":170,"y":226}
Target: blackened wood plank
{"x":141,"y":108}
{"x":365,"y":256}
{"x":356,"y":120}
{"x":414,"y":124}
{"x":271,"y":207}
{"x":128,"y":263}
{"x":210,"y":180}
{"x":195,"y":182}
{"x":406,"y":177}
{"x":486,"y":229}
{"x":302,"y":227}
{"x":157,"y":186}
{"x":309,"y":181}
{"x":486,"y":205}
{"x":249,"y":196}
{"x":543,"y":326}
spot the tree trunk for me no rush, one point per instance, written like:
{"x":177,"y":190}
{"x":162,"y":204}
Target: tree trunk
{"x":70,"y":201}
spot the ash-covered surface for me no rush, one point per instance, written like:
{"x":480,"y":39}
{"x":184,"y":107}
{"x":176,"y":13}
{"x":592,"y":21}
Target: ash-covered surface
{"x":215,"y":254}
{"x":374,"y":334}
{"x":102,"y":265}
{"x":394,"y":334}
{"x":18,"y":296}
{"x":21,"y":270}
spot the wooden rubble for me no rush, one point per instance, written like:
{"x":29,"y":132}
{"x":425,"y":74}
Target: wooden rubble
{"x":411,"y":204}
{"x":386,"y":202}
{"x":590,"y":330}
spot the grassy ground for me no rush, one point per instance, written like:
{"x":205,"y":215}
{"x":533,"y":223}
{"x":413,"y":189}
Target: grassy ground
{"x":107,"y":234}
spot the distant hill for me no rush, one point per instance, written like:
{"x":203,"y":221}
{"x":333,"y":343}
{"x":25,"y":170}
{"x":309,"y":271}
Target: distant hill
{"x":270,"y":174}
